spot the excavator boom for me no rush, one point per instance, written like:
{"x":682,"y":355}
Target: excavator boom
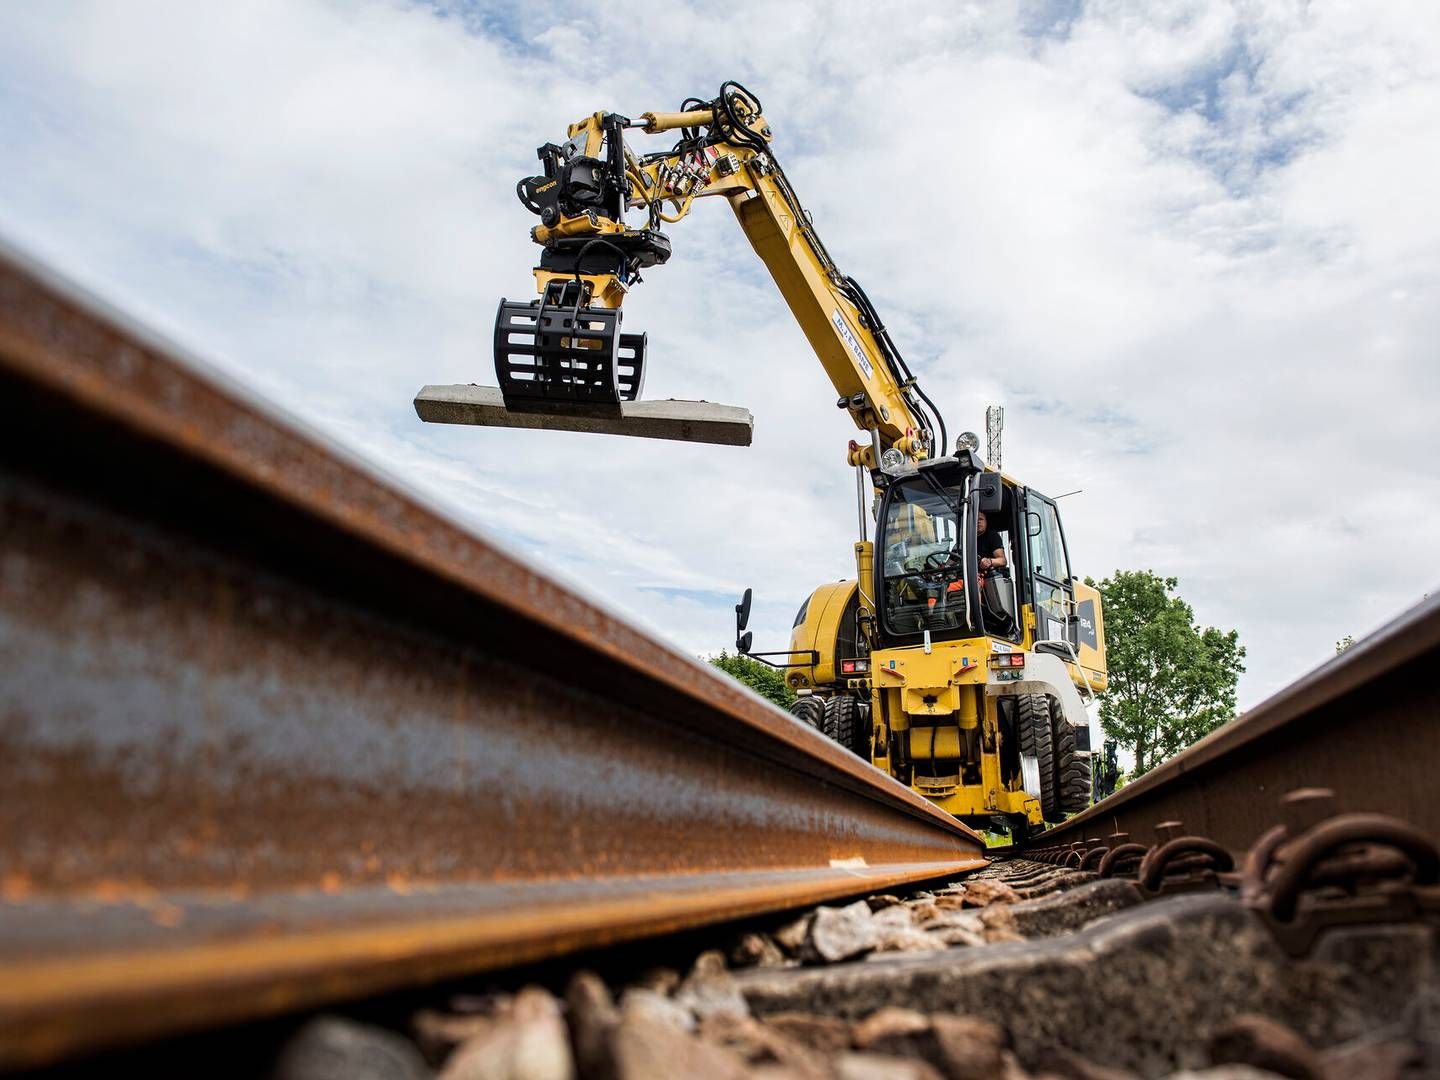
{"x":563,"y":361}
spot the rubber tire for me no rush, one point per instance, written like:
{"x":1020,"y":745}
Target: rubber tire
{"x":810,"y":710}
{"x":1075,"y":792}
{"x":1072,"y":771}
{"x":1032,"y":717}
{"x":848,"y":723}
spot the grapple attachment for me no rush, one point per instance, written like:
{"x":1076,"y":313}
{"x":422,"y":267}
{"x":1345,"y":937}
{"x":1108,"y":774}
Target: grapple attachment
{"x":563,"y":366}
{"x":553,"y":356}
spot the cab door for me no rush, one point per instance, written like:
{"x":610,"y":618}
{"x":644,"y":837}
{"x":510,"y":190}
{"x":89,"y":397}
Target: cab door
{"x":1048,"y":568}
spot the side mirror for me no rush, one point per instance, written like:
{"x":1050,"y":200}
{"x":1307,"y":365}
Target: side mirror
{"x":991,"y":492}
{"x":742,"y":619}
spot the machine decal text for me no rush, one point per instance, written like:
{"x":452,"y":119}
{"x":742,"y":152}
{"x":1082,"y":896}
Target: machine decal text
{"x":843,"y":329}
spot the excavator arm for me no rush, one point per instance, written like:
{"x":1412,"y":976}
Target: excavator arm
{"x":565,"y":353}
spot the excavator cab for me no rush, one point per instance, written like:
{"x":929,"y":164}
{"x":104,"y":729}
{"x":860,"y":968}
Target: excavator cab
{"x":927,"y":565}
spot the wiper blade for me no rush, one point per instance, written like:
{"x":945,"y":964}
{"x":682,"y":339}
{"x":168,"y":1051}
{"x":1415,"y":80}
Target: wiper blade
{"x":939,"y":489}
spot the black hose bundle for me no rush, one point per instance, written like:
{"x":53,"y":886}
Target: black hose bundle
{"x":899,"y":370}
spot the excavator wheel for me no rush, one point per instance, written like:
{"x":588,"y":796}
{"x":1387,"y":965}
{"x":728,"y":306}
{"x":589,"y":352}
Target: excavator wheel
{"x":1072,"y":769}
{"x":848,"y":723}
{"x":1075,"y":791}
{"x":1032,"y":717}
{"x":811,"y":710}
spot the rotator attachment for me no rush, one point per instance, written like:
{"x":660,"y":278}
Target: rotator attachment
{"x":555,"y":354}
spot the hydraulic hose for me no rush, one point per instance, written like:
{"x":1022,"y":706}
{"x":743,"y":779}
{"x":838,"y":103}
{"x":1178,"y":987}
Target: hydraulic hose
{"x":899,"y":370}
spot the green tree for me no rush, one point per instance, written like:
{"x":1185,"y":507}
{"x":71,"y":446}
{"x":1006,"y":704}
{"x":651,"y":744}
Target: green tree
{"x":1344,"y":643}
{"x":766,"y":681}
{"x":1170,"y":680}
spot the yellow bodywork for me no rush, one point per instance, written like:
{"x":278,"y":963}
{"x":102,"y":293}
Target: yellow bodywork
{"x":817,"y":632}
{"x":935,"y":706}
{"x":1092,"y":660}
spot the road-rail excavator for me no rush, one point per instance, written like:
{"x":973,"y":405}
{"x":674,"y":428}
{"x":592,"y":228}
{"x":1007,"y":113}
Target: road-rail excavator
{"x":960,"y":657}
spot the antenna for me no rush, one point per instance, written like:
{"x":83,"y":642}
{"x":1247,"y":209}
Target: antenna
{"x":994,"y":424}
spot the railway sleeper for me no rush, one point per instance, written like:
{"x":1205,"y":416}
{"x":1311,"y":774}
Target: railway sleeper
{"x":1151,"y":990}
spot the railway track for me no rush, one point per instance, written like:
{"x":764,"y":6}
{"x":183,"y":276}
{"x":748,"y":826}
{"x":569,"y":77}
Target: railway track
{"x":275,"y":736}
{"x":275,"y":733}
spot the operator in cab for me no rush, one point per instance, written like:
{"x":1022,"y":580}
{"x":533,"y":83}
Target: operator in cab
{"x":990,"y":547}
{"x":991,"y":551}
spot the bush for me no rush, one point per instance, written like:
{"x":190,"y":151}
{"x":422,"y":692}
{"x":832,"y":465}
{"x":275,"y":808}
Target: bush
{"x":766,"y":681}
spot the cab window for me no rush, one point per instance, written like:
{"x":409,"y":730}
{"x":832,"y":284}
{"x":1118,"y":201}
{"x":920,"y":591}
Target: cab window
{"x":1047,"y":549}
{"x":1050,"y":569}
{"x":922,"y":573}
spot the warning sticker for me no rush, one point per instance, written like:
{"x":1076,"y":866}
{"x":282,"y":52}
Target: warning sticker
{"x":850,"y":339}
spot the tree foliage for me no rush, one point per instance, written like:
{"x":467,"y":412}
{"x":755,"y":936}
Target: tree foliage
{"x":1170,"y":680}
{"x":766,"y":681}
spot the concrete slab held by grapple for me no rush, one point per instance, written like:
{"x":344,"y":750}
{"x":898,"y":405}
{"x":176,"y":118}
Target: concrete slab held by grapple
{"x":686,"y":421}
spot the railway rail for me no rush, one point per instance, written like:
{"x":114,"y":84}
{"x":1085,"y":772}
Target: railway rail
{"x":1363,"y":726}
{"x":276,"y":735}
{"x":274,"y":732}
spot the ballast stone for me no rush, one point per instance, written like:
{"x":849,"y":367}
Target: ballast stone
{"x":335,"y":1048}
{"x":840,"y":933}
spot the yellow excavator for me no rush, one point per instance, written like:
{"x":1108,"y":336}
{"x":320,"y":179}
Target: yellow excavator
{"x":961,"y":656}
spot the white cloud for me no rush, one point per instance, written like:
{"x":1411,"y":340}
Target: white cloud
{"x":1194,"y":248}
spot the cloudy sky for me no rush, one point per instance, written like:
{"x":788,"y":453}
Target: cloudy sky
{"x":1193,"y":248}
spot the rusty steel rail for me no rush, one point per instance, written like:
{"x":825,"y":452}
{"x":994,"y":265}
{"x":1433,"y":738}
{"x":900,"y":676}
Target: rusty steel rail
{"x":1366,"y":725}
{"x":274,"y":732}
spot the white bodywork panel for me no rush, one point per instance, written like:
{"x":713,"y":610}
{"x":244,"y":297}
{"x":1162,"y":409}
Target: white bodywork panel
{"x":1046,"y":674}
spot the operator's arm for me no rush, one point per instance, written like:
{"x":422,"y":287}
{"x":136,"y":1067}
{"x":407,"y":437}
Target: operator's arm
{"x":996,"y":559}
